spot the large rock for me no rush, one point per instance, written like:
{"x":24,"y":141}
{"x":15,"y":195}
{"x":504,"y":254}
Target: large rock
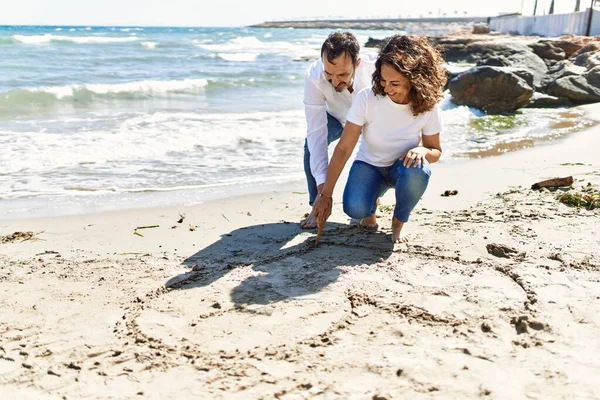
{"x":493,"y":89}
{"x":456,"y":49}
{"x":593,"y":61}
{"x":584,"y":88}
{"x":560,"y":70}
{"x":480,"y":29}
{"x":568,"y":46}
{"x":512,"y":55}
{"x":582,"y":56}
{"x":546,"y":50}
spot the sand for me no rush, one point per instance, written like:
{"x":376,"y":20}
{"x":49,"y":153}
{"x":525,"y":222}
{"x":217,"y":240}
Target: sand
{"x":496,"y":295}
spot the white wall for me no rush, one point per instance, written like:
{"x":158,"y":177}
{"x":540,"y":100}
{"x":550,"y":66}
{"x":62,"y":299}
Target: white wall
{"x":548,"y":25}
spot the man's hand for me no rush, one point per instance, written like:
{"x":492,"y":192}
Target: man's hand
{"x":322,"y":211}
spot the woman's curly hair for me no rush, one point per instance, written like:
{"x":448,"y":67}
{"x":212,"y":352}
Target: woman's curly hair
{"x":415,"y":58}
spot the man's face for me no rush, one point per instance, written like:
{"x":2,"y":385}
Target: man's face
{"x":340,"y":71}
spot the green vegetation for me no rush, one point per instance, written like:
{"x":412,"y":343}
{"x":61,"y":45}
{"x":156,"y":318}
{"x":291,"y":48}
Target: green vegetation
{"x":589,"y":201}
{"x":496,"y":123}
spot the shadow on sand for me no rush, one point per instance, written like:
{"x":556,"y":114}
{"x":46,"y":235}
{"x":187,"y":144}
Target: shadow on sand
{"x":284,"y":261}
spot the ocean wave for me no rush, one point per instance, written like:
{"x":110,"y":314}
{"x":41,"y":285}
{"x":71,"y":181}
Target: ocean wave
{"x":149,"y":45}
{"x":240,"y":57}
{"x":253,"y":45}
{"x":48,"y":38}
{"x":87,"y":92}
{"x":153,"y":144}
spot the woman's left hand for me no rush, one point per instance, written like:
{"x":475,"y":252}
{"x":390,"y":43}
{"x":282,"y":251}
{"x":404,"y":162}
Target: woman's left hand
{"x":415,"y":157}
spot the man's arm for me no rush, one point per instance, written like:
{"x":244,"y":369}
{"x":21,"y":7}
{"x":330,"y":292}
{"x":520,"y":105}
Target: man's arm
{"x":315,"y":109}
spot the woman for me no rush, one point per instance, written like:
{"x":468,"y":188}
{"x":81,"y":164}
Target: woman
{"x":401,"y":124}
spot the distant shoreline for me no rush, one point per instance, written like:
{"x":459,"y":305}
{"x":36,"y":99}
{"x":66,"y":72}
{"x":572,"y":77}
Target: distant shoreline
{"x":384,"y":24}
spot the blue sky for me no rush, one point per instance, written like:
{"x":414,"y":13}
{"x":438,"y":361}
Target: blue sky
{"x":243,"y":12}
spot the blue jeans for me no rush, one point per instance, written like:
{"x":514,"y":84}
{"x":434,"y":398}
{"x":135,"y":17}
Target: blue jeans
{"x":366,"y":183}
{"x":334,"y":131}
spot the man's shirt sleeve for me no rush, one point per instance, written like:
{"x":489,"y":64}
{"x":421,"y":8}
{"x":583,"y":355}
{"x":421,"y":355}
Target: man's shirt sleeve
{"x":315,"y":109}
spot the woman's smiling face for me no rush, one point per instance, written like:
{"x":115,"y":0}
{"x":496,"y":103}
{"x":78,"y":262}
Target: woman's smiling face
{"x":395,"y":85}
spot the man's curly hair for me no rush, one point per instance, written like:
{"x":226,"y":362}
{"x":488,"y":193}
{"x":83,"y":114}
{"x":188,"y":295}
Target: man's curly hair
{"x":415,"y":58}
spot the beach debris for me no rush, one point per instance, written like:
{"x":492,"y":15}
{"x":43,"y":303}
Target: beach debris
{"x":386,"y":208}
{"x":223,"y":215}
{"x":48,"y":252}
{"x":448,"y":193}
{"x":588,"y":201}
{"x":499,"y":250}
{"x":17,"y":236}
{"x":192,"y":228}
{"x":181,"y":218}
{"x":553,"y":183}
{"x":521,"y":324}
{"x":537,"y":325}
{"x":135,"y":231}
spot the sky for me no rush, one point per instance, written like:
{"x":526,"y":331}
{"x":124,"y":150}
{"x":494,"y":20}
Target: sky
{"x":246,"y":12}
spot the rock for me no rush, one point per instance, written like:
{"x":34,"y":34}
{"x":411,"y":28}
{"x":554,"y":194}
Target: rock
{"x":511,"y":55}
{"x":579,"y":89}
{"x":381,"y":397}
{"x":457,"y":49}
{"x":378,"y":43}
{"x":479,"y":29}
{"x":499,"y":250}
{"x":493,"y":89}
{"x":546,"y":50}
{"x":568,"y":46}
{"x":520,"y":324}
{"x":581,"y":57}
{"x":448,"y":193}
{"x":560,"y":70}
{"x":593,"y":61}
{"x":541,"y":100}
{"x":536,"y":325}
{"x":485,"y":327}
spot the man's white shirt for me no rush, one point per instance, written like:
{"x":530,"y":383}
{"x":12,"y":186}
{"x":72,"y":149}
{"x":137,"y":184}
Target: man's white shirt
{"x":319,"y":98}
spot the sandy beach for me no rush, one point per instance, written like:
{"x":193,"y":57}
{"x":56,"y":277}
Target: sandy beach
{"x":496,"y":295}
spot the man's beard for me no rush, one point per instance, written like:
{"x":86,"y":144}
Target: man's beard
{"x":345,"y":85}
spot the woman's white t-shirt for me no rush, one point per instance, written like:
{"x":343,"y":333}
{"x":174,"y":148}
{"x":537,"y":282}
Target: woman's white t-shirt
{"x":389,"y":130}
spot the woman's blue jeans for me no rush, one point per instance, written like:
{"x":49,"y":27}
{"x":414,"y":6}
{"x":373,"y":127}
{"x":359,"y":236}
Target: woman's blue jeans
{"x":366,"y":183}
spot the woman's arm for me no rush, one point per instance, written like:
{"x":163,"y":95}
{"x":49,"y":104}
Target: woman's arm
{"x":341,"y":154}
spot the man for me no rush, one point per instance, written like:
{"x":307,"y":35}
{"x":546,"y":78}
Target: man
{"x":330,"y":84}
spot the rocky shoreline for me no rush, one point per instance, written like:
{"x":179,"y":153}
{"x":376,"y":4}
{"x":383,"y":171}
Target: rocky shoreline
{"x":512,"y":72}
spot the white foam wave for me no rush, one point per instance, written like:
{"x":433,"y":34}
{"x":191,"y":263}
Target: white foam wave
{"x":247,"y":140}
{"x":149,"y":45}
{"x":148,"y":86}
{"x":47,"y":38}
{"x":241,"y":57}
{"x":253,"y":45}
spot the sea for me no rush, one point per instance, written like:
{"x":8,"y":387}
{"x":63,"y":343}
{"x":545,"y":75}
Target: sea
{"x":110,"y":118}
